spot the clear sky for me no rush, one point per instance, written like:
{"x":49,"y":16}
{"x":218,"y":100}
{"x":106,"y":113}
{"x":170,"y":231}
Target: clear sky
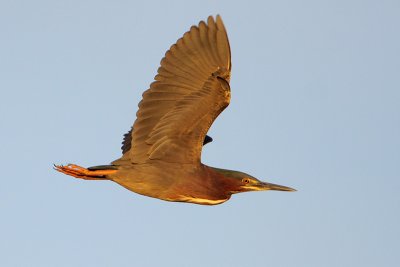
{"x":315,"y":106}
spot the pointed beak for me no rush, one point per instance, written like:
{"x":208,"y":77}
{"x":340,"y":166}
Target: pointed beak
{"x":263,"y":186}
{"x":277,"y":187}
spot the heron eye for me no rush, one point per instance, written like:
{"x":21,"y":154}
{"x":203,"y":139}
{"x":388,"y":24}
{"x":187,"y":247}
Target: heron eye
{"x":246,"y":180}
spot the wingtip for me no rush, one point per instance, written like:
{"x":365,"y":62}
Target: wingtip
{"x":210,"y":20}
{"x":217,"y":19}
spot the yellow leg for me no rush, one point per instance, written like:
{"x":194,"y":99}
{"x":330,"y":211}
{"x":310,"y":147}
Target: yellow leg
{"x":83,"y":173}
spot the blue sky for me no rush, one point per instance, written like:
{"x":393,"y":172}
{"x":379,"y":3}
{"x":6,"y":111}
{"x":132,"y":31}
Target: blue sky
{"x":315,"y":106}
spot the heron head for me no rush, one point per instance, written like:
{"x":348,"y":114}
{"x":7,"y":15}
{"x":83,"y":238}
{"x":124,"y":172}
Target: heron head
{"x":249,"y":183}
{"x":243,"y":182}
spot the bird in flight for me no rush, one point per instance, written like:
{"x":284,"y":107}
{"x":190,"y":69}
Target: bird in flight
{"x":162,"y":151}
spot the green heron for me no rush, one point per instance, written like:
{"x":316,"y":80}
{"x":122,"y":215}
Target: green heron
{"x":162,"y":151}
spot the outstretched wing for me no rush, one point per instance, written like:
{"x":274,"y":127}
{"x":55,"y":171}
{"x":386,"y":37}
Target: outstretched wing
{"x":190,"y":90}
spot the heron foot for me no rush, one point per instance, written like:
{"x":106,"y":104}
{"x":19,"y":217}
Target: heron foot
{"x":83,"y":173}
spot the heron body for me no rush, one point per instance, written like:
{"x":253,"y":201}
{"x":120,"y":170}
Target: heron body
{"x":162,"y":152}
{"x":186,"y":182}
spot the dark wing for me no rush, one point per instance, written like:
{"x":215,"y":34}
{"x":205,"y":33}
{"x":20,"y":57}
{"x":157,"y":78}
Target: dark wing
{"x":207,"y":139}
{"x":126,"y":143}
{"x":190,"y":90}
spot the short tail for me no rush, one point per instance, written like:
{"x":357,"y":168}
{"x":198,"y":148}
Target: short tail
{"x":103,"y":167}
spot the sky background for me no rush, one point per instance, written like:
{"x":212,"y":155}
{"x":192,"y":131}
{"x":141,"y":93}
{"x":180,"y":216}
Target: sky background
{"x":315,"y":106}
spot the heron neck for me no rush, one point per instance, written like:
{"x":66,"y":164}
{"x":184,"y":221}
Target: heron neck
{"x":227,"y":179}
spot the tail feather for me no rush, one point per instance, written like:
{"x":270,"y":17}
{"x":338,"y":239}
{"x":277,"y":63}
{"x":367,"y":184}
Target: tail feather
{"x":103,"y":167}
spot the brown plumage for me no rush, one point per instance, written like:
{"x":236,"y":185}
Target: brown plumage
{"x":162,"y":152}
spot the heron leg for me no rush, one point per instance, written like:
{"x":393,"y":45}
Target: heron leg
{"x":83,"y":173}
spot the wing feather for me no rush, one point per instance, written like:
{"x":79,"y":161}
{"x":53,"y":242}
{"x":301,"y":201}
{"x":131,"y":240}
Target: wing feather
{"x":190,"y":90}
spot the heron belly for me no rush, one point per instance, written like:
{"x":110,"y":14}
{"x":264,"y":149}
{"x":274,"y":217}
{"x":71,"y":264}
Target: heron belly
{"x":200,"y":201}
